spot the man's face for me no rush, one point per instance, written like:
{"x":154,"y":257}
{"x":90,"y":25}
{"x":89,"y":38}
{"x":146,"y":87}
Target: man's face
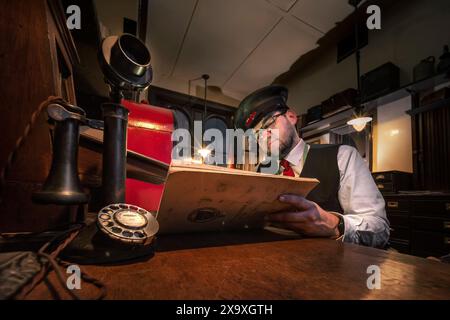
{"x":287,"y":136}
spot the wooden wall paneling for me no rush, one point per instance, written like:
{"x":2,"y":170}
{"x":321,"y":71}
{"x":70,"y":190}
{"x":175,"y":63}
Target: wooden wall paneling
{"x":26,"y":82}
{"x":417,"y":145}
{"x":446,"y":134}
{"x":431,"y":147}
{"x":62,"y":51}
{"x":28,"y":76}
{"x":427,"y":148}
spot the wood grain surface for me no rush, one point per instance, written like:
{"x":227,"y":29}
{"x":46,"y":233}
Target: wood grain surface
{"x":236,"y":266}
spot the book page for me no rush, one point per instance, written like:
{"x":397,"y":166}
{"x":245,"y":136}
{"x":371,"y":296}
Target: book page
{"x":197,"y":199}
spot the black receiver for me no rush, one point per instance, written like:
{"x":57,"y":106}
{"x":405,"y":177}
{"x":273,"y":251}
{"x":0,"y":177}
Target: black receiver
{"x":121,"y":231}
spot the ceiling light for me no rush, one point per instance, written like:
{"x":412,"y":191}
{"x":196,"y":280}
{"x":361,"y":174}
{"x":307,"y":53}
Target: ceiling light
{"x":359,"y":123}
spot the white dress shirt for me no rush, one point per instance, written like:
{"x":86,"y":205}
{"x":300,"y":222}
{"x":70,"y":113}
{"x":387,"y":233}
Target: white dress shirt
{"x":364,"y":207}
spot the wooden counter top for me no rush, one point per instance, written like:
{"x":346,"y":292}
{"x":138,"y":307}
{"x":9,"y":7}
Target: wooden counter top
{"x":270,"y":269}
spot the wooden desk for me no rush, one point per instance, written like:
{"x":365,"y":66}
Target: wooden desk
{"x":274,"y":269}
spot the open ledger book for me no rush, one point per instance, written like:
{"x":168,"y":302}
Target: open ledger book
{"x":208,"y":198}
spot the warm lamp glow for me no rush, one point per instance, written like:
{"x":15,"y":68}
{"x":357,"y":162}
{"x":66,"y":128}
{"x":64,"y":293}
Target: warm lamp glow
{"x":394,"y":132}
{"x":359,"y":123}
{"x":204,"y":153}
{"x":196,"y":161}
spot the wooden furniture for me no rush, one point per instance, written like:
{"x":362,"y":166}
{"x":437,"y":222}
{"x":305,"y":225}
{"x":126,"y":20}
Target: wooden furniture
{"x":431,"y":142}
{"x":244,"y":266}
{"x":37,"y":56}
{"x":420,"y":224}
{"x":429,"y":130}
{"x":192,"y":107}
{"x":392,"y":181}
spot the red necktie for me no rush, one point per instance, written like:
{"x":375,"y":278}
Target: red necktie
{"x":288,"y":171}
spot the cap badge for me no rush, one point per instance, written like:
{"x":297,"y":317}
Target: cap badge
{"x":250,"y":118}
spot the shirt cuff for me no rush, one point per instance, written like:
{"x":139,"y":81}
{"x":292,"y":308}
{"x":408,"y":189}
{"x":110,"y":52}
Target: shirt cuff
{"x":351,"y":223}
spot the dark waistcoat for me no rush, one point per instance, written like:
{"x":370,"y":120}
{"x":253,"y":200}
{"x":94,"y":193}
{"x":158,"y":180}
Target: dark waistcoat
{"x":321,"y":163}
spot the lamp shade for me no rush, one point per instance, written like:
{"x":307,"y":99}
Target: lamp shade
{"x":359,"y":123}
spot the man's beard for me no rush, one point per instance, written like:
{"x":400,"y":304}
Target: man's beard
{"x":283,"y":148}
{"x":287,"y":145}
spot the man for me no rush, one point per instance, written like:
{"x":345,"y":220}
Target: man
{"x":346,"y":205}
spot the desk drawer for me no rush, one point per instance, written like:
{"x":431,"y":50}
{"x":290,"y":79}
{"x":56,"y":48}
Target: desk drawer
{"x":386,"y":187}
{"x":400,"y":233}
{"x":392,"y":181}
{"x":398,"y":219}
{"x":425,"y":208}
{"x":431,"y":224}
{"x":395,"y":205}
{"x":383,"y":176}
{"x":425,"y":243}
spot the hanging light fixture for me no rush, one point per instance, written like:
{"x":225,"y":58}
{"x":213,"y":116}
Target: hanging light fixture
{"x":359,"y":120}
{"x":359,"y":123}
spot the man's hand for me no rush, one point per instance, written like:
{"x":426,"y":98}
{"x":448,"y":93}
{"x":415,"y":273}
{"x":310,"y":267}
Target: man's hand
{"x":307,"y":218}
